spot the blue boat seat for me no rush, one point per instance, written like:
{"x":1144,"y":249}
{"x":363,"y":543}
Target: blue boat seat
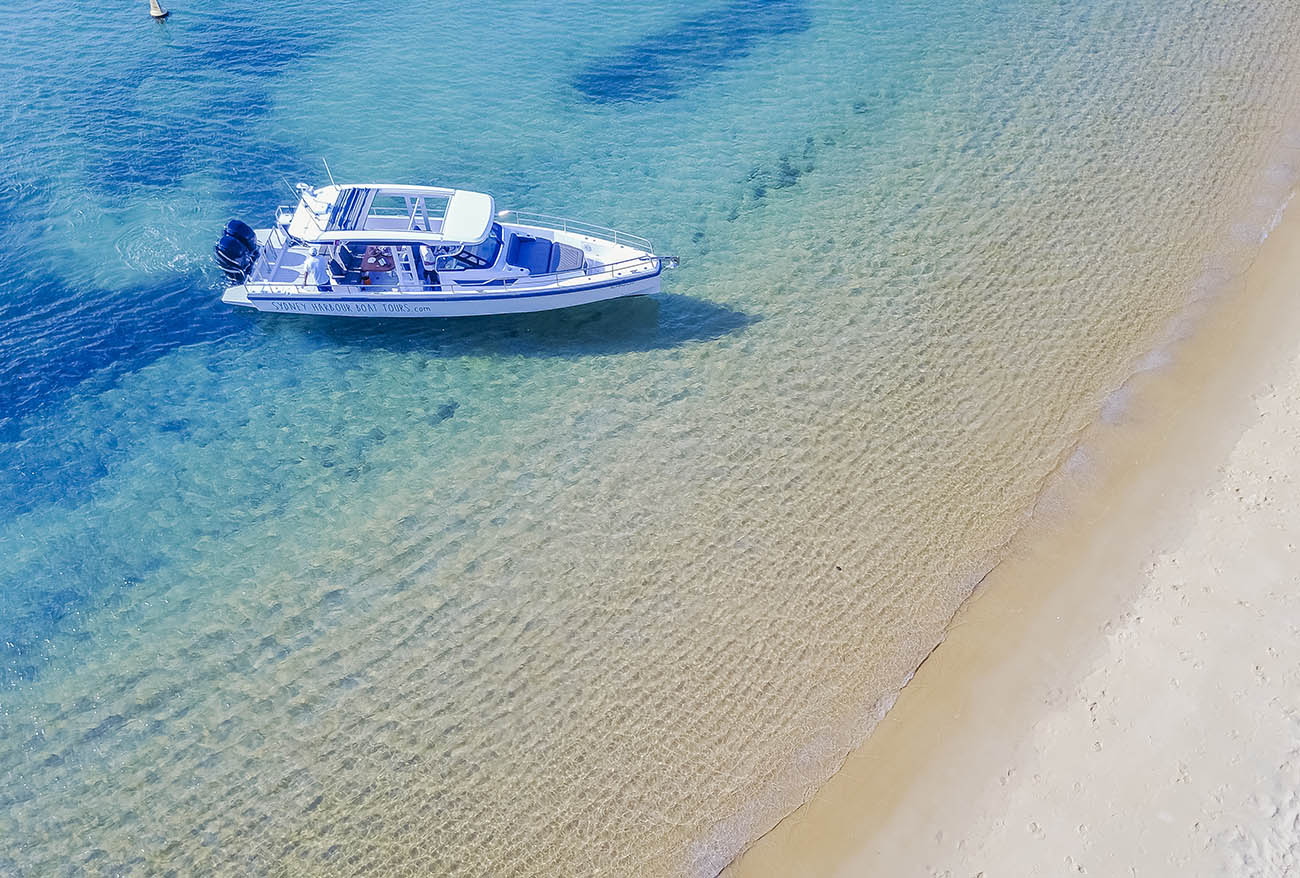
{"x":351,"y":256}
{"x":534,"y":254}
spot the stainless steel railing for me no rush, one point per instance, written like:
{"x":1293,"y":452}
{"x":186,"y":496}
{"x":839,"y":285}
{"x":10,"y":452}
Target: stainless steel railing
{"x":641,"y":263}
{"x":271,"y":249}
{"x":562,"y":224}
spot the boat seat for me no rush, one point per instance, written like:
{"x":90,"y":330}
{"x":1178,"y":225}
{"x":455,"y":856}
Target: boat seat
{"x":533,"y":254}
{"x":541,"y":256}
{"x":341,"y":274}
{"x":567,"y":258}
{"x":349,"y":258}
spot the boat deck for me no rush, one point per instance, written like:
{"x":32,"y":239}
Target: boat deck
{"x":288,"y":269}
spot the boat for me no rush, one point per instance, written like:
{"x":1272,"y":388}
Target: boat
{"x":382,"y":250}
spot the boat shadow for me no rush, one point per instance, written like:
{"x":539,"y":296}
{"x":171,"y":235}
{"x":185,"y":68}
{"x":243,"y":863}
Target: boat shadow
{"x":617,"y":326}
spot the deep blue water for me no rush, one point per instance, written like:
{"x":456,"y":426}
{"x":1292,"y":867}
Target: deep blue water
{"x":125,"y":152}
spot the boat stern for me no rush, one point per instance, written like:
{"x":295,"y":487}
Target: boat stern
{"x":237,"y":295}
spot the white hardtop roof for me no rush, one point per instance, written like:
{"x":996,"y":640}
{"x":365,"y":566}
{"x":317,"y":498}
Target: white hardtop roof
{"x":466,"y":219}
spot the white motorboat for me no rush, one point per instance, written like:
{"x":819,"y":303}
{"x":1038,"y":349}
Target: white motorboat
{"x":379,"y":250}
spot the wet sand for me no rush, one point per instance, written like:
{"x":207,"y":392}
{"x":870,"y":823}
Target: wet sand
{"x":1120,"y":695}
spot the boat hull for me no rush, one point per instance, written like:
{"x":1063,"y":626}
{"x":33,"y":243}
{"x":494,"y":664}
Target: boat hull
{"x":450,"y":304}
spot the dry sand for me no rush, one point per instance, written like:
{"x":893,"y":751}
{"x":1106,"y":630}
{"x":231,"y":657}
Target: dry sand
{"x":1122,"y":695}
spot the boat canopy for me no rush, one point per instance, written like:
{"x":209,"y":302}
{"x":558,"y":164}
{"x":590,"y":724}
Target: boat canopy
{"x":375,"y":213}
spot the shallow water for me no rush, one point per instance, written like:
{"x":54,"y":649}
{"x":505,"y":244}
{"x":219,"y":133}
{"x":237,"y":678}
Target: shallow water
{"x":609,"y":589}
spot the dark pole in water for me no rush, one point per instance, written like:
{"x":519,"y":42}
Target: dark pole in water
{"x":157,"y":11}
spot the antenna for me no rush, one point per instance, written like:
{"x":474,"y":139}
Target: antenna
{"x":327,"y":170}
{"x":289,"y":186}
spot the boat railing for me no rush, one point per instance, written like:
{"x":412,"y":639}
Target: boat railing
{"x":650,"y":261}
{"x":521,"y":283}
{"x":272,"y":252}
{"x":562,"y":224}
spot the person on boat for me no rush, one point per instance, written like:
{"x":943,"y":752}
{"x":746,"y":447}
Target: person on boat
{"x":427,"y":262}
{"x":317,"y":271}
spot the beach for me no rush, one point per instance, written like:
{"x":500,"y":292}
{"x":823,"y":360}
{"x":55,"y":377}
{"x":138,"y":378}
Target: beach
{"x":1119,"y":697}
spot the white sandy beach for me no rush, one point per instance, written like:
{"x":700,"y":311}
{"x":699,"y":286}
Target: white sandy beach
{"x":1122,"y":695}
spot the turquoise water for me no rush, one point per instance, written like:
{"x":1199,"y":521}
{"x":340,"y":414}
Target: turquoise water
{"x":603,"y":590}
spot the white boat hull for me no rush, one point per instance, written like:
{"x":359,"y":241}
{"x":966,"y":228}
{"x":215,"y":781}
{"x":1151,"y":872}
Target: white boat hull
{"x":461,"y":303}
{"x":381,"y":250}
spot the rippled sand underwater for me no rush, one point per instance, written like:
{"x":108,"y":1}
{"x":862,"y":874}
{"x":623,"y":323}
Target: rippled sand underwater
{"x":607,"y":590}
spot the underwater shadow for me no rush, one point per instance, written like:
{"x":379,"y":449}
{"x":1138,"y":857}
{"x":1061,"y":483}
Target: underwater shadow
{"x":54,"y":337}
{"x":617,"y":326}
{"x":662,"y":65}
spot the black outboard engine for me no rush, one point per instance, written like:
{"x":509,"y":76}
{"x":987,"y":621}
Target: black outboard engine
{"x":244,"y":232}
{"x":236,"y":251}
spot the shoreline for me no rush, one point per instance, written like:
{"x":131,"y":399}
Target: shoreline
{"x":1003,"y":719}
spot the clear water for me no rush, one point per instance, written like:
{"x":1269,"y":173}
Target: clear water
{"x":608,"y":590}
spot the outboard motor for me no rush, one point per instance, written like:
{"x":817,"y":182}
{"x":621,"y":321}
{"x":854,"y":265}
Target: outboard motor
{"x":244,"y":232}
{"x":236,"y":252}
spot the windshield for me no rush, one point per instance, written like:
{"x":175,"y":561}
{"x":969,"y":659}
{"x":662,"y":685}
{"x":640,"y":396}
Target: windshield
{"x":480,"y":255}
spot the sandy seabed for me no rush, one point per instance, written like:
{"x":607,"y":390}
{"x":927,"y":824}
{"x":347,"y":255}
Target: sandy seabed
{"x":1122,"y":695}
